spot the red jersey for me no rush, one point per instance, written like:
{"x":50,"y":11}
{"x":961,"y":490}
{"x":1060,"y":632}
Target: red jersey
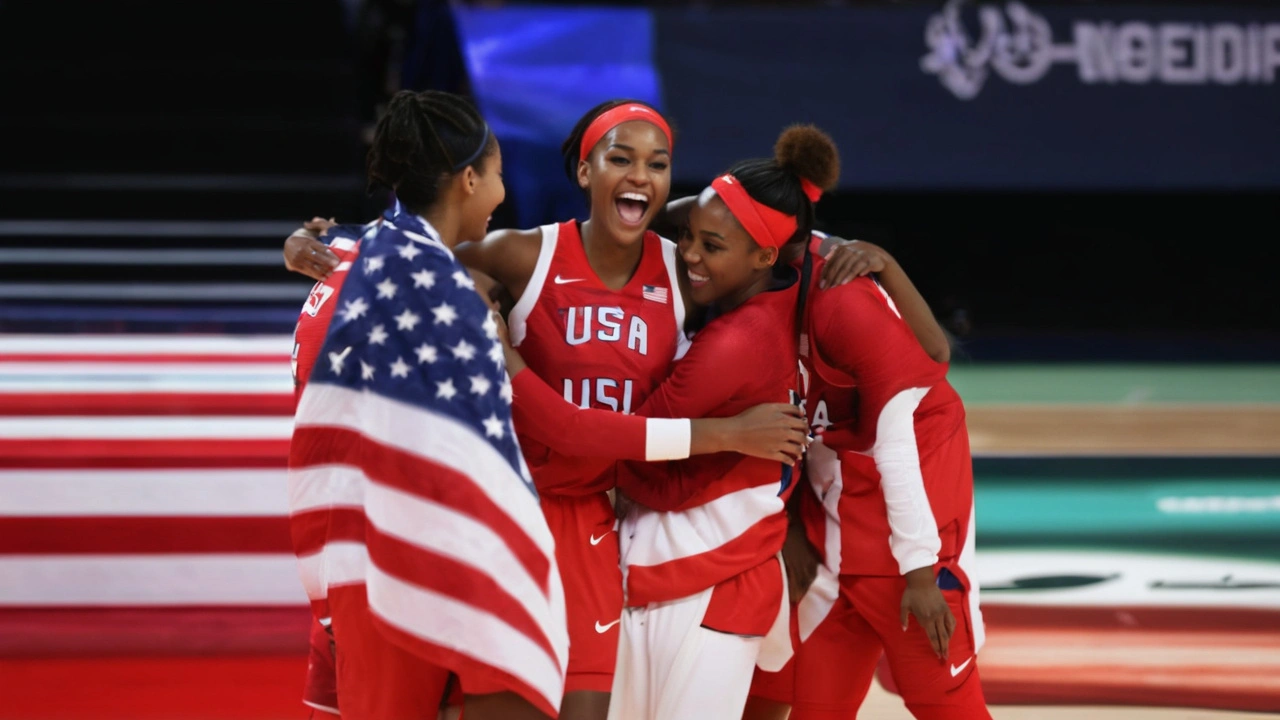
{"x":714,"y":521}
{"x":601,"y":348}
{"x":890,"y":466}
{"x":313,"y":321}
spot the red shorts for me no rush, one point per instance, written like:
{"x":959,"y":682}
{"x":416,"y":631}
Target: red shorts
{"x":832,"y":670}
{"x":588,"y":556}
{"x":379,"y":680}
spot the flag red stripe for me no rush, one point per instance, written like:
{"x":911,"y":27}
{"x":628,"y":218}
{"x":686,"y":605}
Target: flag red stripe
{"x":421,"y":477}
{"x":237,"y":358}
{"x":447,"y":576}
{"x":466,"y":666}
{"x":143,"y":535}
{"x":117,"y":453}
{"x":688,"y":575}
{"x":313,"y":528}
{"x":103,"y":404}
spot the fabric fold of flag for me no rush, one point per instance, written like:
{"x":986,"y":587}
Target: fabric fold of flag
{"x":405,"y":474}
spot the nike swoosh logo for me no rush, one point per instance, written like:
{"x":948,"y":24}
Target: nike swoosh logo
{"x":605,"y":628}
{"x":566,"y":281}
{"x":954,"y":670}
{"x":596,"y":540}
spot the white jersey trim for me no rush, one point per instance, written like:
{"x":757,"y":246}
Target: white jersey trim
{"x":518,"y":320}
{"x":677,"y":300}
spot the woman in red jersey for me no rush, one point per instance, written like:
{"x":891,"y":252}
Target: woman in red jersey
{"x":890,"y":508}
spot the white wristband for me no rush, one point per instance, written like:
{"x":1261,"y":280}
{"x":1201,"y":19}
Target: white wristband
{"x":667,"y":439}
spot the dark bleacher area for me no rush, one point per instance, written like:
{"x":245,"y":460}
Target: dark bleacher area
{"x":155,"y":153}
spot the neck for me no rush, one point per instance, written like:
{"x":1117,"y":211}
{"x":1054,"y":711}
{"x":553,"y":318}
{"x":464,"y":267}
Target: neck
{"x":758,"y":284}
{"x":613,"y":262}
{"x":445,"y":221}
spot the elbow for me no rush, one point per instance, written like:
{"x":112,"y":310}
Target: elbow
{"x":941,"y":355}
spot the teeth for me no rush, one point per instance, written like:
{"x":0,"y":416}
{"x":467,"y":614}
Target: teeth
{"x":697,"y":278}
{"x":634,"y":196}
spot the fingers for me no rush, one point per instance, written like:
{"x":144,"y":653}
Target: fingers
{"x":322,"y":254}
{"x":786,"y":457}
{"x":947,"y":630}
{"x":931,"y":629}
{"x":832,"y":271}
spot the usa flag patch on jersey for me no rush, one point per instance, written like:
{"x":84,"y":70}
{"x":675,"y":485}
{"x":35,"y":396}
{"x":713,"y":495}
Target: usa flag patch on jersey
{"x":655,"y":293}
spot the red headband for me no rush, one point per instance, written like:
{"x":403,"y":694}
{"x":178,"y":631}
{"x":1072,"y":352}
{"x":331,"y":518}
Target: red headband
{"x":768,"y":227}
{"x":611,"y":119}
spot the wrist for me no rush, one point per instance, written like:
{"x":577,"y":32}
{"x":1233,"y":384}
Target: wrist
{"x":716,"y":435}
{"x":920,"y":577}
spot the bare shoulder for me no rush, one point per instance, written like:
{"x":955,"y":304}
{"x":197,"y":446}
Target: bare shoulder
{"x":508,"y":255}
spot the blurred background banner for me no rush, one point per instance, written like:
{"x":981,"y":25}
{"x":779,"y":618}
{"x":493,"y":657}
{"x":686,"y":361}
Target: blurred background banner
{"x":927,"y":96}
{"x":535,"y":70}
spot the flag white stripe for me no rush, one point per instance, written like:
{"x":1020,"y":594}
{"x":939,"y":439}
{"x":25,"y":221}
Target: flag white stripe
{"x":337,"y":563}
{"x":420,"y":522}
{"x":165,"y":580}
{"x":441,"y":529}
{"x":466,"y":630}
{"x":148,"y":428}
{"x":660,"y":537}
{"x":143,"y":493}
{"x":448,"y":443}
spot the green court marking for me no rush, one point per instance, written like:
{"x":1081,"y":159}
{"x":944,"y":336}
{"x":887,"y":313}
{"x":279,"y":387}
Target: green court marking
{"x":1118,"y":384}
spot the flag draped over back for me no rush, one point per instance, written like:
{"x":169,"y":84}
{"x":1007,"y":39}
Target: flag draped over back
{"x":405,"y":474}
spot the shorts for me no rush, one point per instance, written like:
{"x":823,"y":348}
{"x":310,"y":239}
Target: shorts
{"x":585,"y":532}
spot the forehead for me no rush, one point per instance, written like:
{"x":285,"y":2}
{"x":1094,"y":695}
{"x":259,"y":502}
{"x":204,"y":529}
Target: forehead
{"x":639,"y":135}
{"x":710,"y":213}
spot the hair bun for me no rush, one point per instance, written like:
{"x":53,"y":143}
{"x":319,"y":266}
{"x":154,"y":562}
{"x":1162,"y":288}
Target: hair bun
{"x":809,"y":153}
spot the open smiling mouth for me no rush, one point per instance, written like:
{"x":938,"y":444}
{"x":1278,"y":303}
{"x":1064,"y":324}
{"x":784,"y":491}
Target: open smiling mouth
{"x":632,"y":207}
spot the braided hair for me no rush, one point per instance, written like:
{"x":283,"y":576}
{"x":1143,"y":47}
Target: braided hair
{"x":423,"y":139}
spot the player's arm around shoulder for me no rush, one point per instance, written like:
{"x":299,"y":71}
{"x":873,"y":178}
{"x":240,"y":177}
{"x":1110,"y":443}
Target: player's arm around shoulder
{"x":509,"y":256}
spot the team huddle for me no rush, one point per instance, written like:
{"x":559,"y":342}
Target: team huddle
{"x":583,"y":471}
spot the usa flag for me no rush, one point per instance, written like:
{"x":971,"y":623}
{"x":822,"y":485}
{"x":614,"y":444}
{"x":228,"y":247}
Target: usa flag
{"x":655,"y":293}
{"x":405,"y":474}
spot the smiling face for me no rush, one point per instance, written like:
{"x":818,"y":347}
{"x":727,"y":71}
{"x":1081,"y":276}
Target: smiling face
{"x":725,"y":266}
{"x":628,"y":175}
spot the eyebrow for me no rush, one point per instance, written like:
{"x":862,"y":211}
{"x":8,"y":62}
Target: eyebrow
{"x":620,"y":146}
{"x":711,"y":233}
